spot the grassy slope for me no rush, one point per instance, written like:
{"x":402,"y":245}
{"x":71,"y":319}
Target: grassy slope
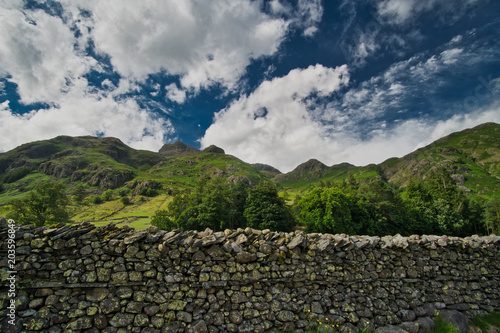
{"x":137,"y":214}
{"x":473,"y":154}
{"x":88,"y":155}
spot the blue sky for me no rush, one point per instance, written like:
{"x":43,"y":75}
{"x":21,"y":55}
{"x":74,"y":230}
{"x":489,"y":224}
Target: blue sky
{"x":276,"y":82}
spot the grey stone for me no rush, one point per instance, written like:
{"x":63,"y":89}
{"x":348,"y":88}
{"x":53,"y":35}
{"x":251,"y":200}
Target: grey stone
{"x":410,"y":327}
{"x":390,"y":329}
{"x":198,"y":326}
{"x":235,"y":317}
{"x":122,"y":319}
{"x":110,"y":305}
{"x":244,"y":257}
{"x":426,"y":324}
{"x":96,"y":294}
{"x":456,"y":318}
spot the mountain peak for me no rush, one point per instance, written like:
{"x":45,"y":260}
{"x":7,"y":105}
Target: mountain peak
{"x":214,"y":149}
{"x":311,"y":165}
{"x":177,"y":148}
{"x":265,"y":167}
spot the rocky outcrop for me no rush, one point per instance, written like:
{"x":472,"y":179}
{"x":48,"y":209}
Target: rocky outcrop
{"x":214,"y":149}
{"x":59,"y":169}
{"x":177,"y":148}
{"x":107,"y":178}
{"x":76,"y":277}
{"x":140,"y":187}
{"x":265,"y":167}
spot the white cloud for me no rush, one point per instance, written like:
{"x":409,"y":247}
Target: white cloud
{"x":284,"y":123}
{"x":451,"y":56}
{"x":175,"y":94}
{"x":37,"y":52}
{"x":460,"y":122}
{"x":85,"y":114}
{"x":310,"y":14}
{"x":273,"y":124}
{"x":204,"y":42}
{"x":403,"y":11}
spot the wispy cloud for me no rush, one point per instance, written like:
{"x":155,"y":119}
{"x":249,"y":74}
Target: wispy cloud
{"x":406,"y":11}
{"x":368,"y":122}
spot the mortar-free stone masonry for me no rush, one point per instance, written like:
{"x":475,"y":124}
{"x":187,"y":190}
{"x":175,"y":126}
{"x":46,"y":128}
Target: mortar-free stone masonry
{"x":82,"y":278}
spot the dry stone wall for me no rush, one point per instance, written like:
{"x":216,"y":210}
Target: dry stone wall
{"x":81,"y":278}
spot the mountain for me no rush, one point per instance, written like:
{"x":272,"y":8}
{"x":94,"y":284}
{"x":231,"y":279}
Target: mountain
{"x":148,"y":179}
{"x":266,"y":169}
{"x":471,"y":156}
{"x":177,"y":149}
{"x":100,"y":164}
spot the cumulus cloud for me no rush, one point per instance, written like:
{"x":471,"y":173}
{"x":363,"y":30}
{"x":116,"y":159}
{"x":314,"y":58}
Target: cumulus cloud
{"x":37,"y":53}
{"x":284,"y":123}
{"x":274,"y":124}
{"x":86,"y":114}
{"x":175,"y":94}
{"x":202,"y":42}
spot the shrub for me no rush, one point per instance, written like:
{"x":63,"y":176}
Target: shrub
{"x":96,"y":199}
{"x":107,"y":195}
{"x":46,"y":203}
{"x":125,"y":201}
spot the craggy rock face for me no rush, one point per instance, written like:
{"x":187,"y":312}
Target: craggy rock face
{"x":80,"y":277}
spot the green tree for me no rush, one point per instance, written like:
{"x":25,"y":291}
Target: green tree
{"x":383,"y":206}
{"x":449,"y":204}
{"x":214,"y":204}
{"x":163,"y":220}
{"x":328,"y":210}
{"x":492,"y":216}
{"x":107,"y":195}
{"x":96,"y":199}
{"x":437,"y":206}
{"x":125,"y":200}
{"x":79,"y":194}
{"x":46,"y":203}
{"x":264,"y":209}
{"x":418,"y":205}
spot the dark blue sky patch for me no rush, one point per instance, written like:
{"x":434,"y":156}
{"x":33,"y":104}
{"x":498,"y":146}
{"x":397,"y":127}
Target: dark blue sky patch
{"x":10,"y":94}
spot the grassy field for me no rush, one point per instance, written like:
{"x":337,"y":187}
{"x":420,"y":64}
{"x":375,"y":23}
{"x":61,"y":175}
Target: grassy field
{"x":137,"y":215}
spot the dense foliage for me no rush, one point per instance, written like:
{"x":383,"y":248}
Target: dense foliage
{"x":369,"y":207}
{"x":46,"y":203}
{"x":220,"y":205}
{"x":373,"y":207}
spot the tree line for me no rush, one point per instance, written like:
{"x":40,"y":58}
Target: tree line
{"x":353,"y":206}
{"x":219,"y":205}
{"x":363,"y":207}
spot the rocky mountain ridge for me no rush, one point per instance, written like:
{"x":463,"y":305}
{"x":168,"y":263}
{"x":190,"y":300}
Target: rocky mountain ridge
{"x":472,"y":158}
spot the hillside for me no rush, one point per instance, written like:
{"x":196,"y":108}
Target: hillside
{"x":96,"y":165}
{"x":471,"y":156}
{"x":96,"y":168}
